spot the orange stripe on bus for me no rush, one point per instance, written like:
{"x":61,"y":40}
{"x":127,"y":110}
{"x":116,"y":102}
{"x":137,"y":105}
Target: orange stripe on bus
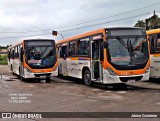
{"x":41,"y":70}
{"x":156,"y":55}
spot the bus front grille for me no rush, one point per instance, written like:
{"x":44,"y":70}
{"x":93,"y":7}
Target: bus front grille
{"x":136,"y":78}
{"x":39,"y":75}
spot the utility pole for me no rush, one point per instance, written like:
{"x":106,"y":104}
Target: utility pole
{"x":154,"y":19}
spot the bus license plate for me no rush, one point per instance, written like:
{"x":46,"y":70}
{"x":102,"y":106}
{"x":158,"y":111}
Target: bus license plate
{"x":43,"y":77}
{"x":131,"y":81}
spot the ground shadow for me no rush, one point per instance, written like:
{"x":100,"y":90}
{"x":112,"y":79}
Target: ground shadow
{"x":109,"y":87}
{"x":154,"y":80}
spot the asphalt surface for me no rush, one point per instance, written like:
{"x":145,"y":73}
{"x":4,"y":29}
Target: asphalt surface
{"x":71,"y":95}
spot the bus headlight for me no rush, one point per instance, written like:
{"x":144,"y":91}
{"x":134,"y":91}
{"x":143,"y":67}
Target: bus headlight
{"x":111,"y":72}
{"x":28,"y":70}
{"x":56,"y":69}
{"x":147,"y":70}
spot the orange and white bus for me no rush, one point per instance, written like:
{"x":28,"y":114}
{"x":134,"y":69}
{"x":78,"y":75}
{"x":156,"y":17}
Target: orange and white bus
{"x":107,"y":56}
{"x":154,"y":37}
{"x":33,"y":58}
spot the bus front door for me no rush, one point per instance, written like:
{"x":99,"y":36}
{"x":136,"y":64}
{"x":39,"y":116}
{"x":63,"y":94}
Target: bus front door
{"x":64,"y":61}
{"x":95,"y":61}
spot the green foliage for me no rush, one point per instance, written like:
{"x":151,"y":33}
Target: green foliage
{"x":3,"y":59}
{"x":152,"y":22}
{"x":4,"y":47}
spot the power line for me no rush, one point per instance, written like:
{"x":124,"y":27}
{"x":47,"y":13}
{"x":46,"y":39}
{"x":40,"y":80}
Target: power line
{"x":27,"y":31}
{"x":107,"y":17}
{"x":82,"y":26}
{"x":104,"y":22}
{"x":24,"y":36}
{"x":87,"y":21}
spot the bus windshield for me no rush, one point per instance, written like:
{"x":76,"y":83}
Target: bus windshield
{"x":127,"y":52}
{"x":40,"y":54}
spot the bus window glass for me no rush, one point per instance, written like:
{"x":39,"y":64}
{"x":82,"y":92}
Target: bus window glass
{"x":59,"y":51}
{"x":39,"y":55}
{"x":152,"y":43}
{"x":12,"y":53}
{"x":64,"y":52}
{"x":83,"y":48}
{"x":127,"y":50}
{"x":158,"y":43}
{"x":73,"y":49}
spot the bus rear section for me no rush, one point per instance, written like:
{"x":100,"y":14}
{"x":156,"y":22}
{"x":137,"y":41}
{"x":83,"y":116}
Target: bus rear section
{"x":37,"y":59}
{"x":154,"y":39}
{"x":106,"y":56}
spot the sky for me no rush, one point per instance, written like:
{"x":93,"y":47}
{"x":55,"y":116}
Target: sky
{"x":27,"y":19}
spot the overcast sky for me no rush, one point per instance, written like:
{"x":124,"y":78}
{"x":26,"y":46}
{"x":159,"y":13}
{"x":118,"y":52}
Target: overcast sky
{"x":30,"y":17}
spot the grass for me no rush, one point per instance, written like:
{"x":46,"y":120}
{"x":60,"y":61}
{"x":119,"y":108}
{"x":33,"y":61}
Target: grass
{"x":3,"y":59}
{"x":3,"y":63}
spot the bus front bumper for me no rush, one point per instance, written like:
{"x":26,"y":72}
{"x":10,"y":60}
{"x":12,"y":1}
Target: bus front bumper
{"x":40,"y":75}
{"x":110,"y":79}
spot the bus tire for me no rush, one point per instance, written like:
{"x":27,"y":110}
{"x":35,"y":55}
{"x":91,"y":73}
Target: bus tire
{"x":48,"y":79}
{"x":12,"y":70}
{"x":87,"y":78}
{"x":59,"y":75}
{"x":20,"y":75}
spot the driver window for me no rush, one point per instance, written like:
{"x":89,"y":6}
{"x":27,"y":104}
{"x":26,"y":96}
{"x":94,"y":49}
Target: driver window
{"x":152,"y":43}
{"x":158,"y":43}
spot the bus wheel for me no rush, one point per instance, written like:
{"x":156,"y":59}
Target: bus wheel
{"x":48,"y":79}
{"x":12,"y":70}
{"x":20,"y":76}
{"x":87,"y":78}
{"x":59,"y":75}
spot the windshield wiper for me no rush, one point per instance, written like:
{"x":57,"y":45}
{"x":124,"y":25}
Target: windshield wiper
{"x":122,"y":42}
{"x":130,"y":47}
{"x":127,"y":46}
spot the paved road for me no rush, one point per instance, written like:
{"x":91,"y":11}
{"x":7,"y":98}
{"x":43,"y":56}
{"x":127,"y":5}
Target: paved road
{"x":71,"y":95}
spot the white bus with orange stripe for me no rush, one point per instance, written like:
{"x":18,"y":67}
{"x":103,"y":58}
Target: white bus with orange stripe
{"x":33,"y":58}
{"x":154,"y":37}
{"x":107,"y":56}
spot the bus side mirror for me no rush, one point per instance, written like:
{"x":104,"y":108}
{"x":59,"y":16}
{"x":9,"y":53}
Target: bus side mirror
{"x":21,"y":55}
{"x":105,"y":44}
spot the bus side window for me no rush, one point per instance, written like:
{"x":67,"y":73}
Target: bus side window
{"x":18,"y":47}
{"x":64,"y":52}
{"x":12,"y":54}
{"x":21,"y":54}
{"x":9,"y":53}
{"x":158,"y":43}
{"x":152,"y":43}
{"x":73,"y":48}
{"x":59,"y":51}
{"x":101,"y":51}
{"x":83,"y":48}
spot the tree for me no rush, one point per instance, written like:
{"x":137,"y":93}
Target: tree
{"x":152,"y":22}
{"x":140,"y":23}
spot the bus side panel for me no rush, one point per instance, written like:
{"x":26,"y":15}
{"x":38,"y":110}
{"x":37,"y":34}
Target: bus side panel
{"x":75,"y":67}
{"x":16,"y":64}
{"x":10,"y":64}
{"x":60,"y":61}
{"x":155,"y":66}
